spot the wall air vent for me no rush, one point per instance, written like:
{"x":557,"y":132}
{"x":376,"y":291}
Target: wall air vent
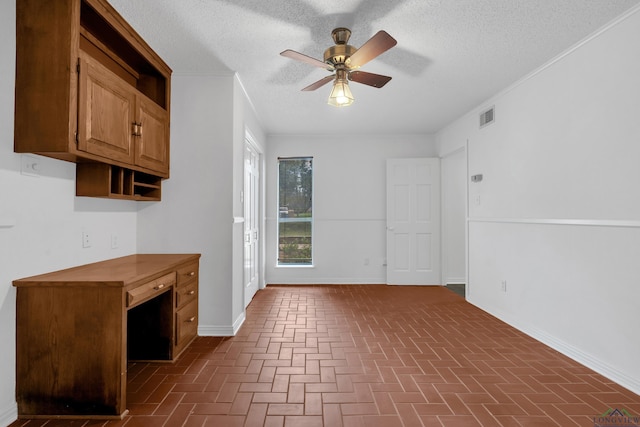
{"x":487,"y":117}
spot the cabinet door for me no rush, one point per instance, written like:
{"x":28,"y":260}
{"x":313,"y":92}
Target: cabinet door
{"x":152,"y":144}
{"x":105,"y":113}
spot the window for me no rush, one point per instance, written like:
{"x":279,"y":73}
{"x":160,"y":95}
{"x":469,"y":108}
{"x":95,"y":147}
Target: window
{"x":295,"y":214}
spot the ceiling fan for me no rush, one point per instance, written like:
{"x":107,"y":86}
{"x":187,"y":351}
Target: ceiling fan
{"x":345,"y":60}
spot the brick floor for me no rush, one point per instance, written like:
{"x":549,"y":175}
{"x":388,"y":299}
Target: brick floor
{"x":366,"y":356}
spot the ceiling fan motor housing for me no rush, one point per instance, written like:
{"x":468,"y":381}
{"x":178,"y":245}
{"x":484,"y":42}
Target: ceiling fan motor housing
{"x":338,"y":54}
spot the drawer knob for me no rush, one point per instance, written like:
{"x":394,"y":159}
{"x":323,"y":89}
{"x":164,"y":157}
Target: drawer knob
{"x":193,"y":273}
{"x":191,"y":292}
{"x":191,"y":320}
{"x":160,"y":286}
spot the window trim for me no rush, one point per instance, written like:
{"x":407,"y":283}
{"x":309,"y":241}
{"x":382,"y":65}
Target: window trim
{"x":311,"y":264}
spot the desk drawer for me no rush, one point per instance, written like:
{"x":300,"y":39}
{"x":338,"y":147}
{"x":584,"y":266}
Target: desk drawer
{"x":187,"y":322}
{"x":151,"y":289}
{"x":187,"y":273}
{"x":186,"y":294}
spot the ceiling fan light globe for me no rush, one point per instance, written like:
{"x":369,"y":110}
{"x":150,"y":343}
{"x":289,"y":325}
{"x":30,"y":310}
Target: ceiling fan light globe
{"x":340,"y":94}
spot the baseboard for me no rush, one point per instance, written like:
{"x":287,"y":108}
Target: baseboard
{"x":222,"y":331}
{"x":587,"y":360}
{"x":455,"y":281}
{"x":9,"y":414}
{"x":239,"y":321}
{"x":328,"y":281}
{"x":215,"y":331}
{"x":572,"y":352}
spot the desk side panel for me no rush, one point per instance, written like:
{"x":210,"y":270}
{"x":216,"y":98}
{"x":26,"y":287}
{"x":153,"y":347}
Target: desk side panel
{"x":70,"y":344}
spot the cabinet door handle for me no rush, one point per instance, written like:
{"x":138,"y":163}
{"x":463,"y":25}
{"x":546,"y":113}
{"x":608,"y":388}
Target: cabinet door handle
{"x":191,"y":320}
{"x":160,"y":286}
{"x":193,"y":273}
{"x":137,"y":129}
{"x":191,"y":292}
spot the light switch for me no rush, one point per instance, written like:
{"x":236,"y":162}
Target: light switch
{"x":30,"y":165}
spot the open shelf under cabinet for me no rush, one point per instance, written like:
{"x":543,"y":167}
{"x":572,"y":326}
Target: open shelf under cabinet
{"x":116,"y":182}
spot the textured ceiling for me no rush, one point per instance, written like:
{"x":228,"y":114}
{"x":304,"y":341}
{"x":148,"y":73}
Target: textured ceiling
{"x":451,"y":54}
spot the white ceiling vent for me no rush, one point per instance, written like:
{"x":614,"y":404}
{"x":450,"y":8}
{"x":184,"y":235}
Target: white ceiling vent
{"x":487,"y":117}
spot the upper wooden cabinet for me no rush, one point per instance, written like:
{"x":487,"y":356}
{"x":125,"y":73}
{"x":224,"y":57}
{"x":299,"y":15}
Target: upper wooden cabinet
{"x":88,"y":88}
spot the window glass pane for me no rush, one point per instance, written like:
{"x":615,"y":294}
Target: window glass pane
{"x":295,"y":216}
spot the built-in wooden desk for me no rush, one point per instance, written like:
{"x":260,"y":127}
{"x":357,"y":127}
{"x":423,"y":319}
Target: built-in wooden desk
{"x":76,"y":329}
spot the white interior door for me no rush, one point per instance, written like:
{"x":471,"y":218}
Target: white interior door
{"x":251,"y":222}
{"x":413,"y":221}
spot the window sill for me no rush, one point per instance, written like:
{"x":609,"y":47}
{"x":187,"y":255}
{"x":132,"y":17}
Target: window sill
{"x":295,"y":266}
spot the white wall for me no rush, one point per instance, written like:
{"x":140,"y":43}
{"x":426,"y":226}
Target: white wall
{"x":349,"y":204}
{"x":41,"y":220}
{"x":557,"y":216}
{"x":245,"y":121}
{"x":453,"y":167}
{"x":202,"y":197}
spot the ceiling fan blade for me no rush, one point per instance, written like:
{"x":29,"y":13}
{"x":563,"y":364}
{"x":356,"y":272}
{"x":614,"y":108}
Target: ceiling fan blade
{"x":319,"y":83}
{"x":304,"y":58}
{"x":371,"y":79}
{"x":379,"y":43}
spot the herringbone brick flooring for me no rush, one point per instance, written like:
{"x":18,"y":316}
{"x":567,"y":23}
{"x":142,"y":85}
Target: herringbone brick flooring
{"x":366,"y":356}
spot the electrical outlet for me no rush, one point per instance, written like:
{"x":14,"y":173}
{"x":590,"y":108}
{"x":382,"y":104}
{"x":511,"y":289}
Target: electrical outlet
{"x":504,"y":286}
{"x":114,"y":241}
{"x":86,"y":239}
{"x":366,"y":261}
